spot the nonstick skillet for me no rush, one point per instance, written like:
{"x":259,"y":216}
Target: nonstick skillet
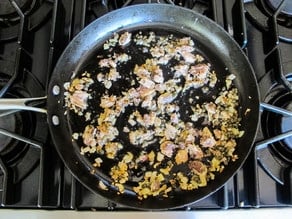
{"x":217,"y":45}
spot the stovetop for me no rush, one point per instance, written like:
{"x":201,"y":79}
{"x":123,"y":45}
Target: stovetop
{"x":33,"y":34}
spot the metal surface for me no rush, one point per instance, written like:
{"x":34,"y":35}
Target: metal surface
{"x":21,"y":104}
{"x":284,"y":213}
{"x":275,"y":109}
{"x":217,"y":45}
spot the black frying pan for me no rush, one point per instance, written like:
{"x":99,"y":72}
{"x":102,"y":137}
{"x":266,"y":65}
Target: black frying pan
{"x":212,"y":40}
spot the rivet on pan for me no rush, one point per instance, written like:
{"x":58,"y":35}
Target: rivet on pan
{"x":56,"y":90}
{"x":55,"y":120}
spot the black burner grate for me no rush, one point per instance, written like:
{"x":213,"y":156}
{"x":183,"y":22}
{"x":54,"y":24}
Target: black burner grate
{"x":273,"y":71}
{"x":41,"y":29}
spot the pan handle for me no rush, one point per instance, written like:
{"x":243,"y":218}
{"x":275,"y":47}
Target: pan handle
{"x":21,"y":104}
{"x":275,"y":109}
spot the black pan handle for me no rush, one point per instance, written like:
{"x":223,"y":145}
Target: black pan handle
{"x":21,"y":104}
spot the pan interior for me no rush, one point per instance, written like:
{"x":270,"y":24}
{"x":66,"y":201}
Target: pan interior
{"x":90,"y":64}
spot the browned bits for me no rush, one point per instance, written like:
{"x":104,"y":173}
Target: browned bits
{"x":77,"y":95}
{"x":164,"y":140}
{"x":197,"y":167}
{"x":102,"y":185}
{"x":167,"y":148}
{"x":207,"y":139}
{"x":125,"y":38}
{"x":152,"y":185}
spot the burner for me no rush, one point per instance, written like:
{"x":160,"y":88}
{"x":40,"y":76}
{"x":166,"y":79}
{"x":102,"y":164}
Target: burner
{"x":284,"y":18}
{"x":276,"y":158}
{"x":287,"y":9}
{"x":199,"y":5}
{"x":11,"y":123}
{"x":98,"y":8}
{"x":275,"y":124}
{"x":7,"y":9}
{"x":16,"y":154}
{"x":11,"y":150}
{"x":35,"y":10}
{"x":8,"y":13}
{"x":286,"y":126}
{"x":261,"y":12}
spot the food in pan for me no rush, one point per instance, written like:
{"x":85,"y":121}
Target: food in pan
{"x":155,"y":116}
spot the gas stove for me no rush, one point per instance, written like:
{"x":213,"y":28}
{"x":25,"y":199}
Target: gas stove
{"x":34,"y":33}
